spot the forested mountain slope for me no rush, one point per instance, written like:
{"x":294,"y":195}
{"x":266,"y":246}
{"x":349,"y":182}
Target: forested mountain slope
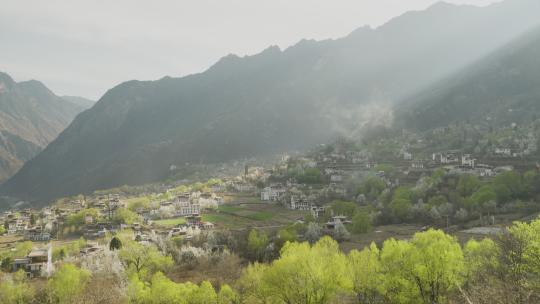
{"x":271,"y":102}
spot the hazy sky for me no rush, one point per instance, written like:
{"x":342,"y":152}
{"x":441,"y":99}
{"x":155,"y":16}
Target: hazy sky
{"x":86,"y":47}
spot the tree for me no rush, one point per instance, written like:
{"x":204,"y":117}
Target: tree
{"x":361,"y":222}
{"x":285,"y":235}
{"x":14,"y":289}
{"x":67,"y":284}
{"x":437,"y":200}
{"x":424,"y":270}
{"x":519,"y":261}
{"x":480,"y":258}
{"x":467,"y":184}
{"x":313,"y":233}
{"x":511,"y":181}
{"x":344,"y":208}
{"x":482,"y":196}
{"x":161,"y":290}
{"x":251,"y":287}
{"x":531,"y":181}
{"x":78,"y":218}
{"x":125,"y":216}
{"x":205,"y":294}
{"x":7,"y":263}
{"x":144,"y":260}
{"x":227,"y":295}
{"x":403,"y":193}
{"x":306,"y":274}
{"x":386,"y":168}
{"x":115,"y":243}
{"x":257,"y":243}
{"x":32,"y":219}
{"x":401,"y":208}
{"x":310,"y":176}
{"x":461,"y":215}
{"x":365,"y":272}
{"x":340,"y":232}
{"x":372,"y":187}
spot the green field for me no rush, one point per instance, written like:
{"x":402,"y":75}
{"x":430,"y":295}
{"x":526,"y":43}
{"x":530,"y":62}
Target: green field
{"x":261,"y":216}
{"x":171,"y":222}
{"x":244,"y":212}
{"x":229,"y":208}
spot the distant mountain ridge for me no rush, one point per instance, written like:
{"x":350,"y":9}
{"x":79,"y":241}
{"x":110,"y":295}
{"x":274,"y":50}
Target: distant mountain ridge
{"x":501,"y":89}
{"x":80,"y":101}
{"x":271,"y":102}
{"x":31,"y":116}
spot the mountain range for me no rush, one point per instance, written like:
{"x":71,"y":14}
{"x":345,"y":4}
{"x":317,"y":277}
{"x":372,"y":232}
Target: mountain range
{"x":31,"y":116}
{"x":268,"y":103}
{"x":499,"y":90}
{"x":82,"y":102}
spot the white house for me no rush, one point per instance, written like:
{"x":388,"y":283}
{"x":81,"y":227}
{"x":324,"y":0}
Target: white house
{"x":467,"y":160}
{"x":503,"y":151}
{"x":188,"y":208}
{"x":272,"y":193}
{"x":298,"y":203}
{"x":407,"y":155}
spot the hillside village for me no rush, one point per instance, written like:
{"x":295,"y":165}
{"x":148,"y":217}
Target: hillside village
{"x":346,"y":188}
{"x":396,"y":164}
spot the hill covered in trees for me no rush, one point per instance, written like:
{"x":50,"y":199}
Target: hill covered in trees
{"x":271,"y":102}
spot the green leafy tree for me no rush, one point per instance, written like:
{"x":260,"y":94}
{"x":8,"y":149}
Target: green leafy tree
{"x":344,"y":208}
{"x":227,"y":295}
{"x":251,"y":287}
{"x":401,"y":208}
{"x":386,"y":168}
{"x":437,"y":200}
{"x":306,"y":274}
{"x":67,"y":284}
{"x":511,"y":181}
{"x":483,"y":195}
{"x":285,"y":235}
{"x":310,"y":176}
{"x":115,"y":243}
{"x":361,"y":222}
{"x":7,"y":263}
{"x":144,"y":260}
{"x":161,"y":290}
{"x":365,"y":271}
{"x":372,"y":187}
{"x":205,"y":294}
{"x":14,"y":289}
{"x":125,"y":216}
{"x":519,"y":261}
{"x":403,"y":193}
{"x":425,"y":270}
{"x":481,"y":257}
{"x":468,"y":184}
{"x":78,"y":218}
{"x":257,"y":243}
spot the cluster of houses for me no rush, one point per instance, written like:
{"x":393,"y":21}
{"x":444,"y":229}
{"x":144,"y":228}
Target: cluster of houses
{"x":184,"y":204}
{"x":194,"y":226}
{"x":32,"y":225}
